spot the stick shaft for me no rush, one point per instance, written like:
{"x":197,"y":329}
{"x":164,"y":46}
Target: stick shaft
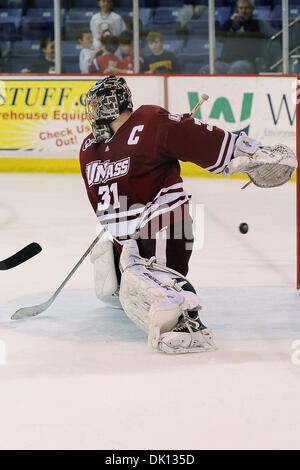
{"x":200,"y":102}
{"x":37,"y":309}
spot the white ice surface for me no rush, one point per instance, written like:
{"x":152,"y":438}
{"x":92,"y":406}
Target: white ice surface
{"x":81,"y":376}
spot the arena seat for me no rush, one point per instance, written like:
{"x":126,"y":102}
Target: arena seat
{"x":78,"y":18}
{"x":10,"y":23}
{"x":262,"y":13}
{"x":23,"y":54}
{"x":222,"y":15}
{"x":165,"y":20}
{"x":39,"y":22}
{"x":70,"y":51}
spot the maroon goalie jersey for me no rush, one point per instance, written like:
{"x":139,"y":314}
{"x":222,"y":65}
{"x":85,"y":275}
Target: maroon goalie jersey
{"x":134,"y":176}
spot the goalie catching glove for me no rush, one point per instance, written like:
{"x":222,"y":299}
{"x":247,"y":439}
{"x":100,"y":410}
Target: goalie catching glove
{"x":267,"y":166}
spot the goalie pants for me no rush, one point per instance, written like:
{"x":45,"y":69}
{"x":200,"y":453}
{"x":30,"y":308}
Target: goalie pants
{"x":172,"y":245}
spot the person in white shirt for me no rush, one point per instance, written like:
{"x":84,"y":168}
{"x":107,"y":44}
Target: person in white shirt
{"x":105,"y":20}
{"x":85,"y":39}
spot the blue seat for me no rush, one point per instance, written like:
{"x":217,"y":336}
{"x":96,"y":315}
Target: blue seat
{"x":10,"y":23}
{"x":199,"y":46}
{"x":78,"y":18}
{"x":197,"y":26}
{"x":42,"y":13}
{"x":165,"y":20}
{"x":166,"y":15}
{"x":276,"y":15}
{"x":196,"y":53}
{"x":8,"y":31}
{"x":173,"y":45}
{"x":145,"y":16}
{"x":11,"y":15}
{"x":193,"y":66}
{"x":222,"y":15}
{"x":26,"y":48}
{"x":83,"y":14}
{"x":294,"y":11}
{"x":16,"y":65}
{"x":262,"y":13}
{"x":39,"y":22}
{"x":23,"y":55}
{"x":70,"y":51}
{"x":125,"y":13}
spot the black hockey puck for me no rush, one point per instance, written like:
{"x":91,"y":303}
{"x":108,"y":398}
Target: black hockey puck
{"x":243,"y":227}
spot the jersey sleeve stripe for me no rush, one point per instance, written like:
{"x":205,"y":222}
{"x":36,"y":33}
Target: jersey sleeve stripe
{"x":228,"y":154}
{"x":221,"y":153}
{"x":224,"y":154}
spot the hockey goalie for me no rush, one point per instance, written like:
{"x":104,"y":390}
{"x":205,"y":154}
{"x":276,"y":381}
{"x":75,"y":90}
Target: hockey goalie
{"x":130,"y":166}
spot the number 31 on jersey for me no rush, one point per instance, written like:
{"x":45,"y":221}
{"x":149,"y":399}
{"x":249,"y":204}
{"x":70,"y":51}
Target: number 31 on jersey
{"x":108,"y":193}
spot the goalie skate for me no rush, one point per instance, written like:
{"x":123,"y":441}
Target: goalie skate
{"x":189,"y":335}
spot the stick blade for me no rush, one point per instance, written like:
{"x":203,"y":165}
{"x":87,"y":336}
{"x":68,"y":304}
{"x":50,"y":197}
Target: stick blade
{"x":26,"y":312}
{"x":21,"y":256}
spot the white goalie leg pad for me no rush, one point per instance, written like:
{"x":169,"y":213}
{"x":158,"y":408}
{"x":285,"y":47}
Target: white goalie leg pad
{"x":105,"y":278}
{"x":148,"y":296}
{"x":267,"y":166}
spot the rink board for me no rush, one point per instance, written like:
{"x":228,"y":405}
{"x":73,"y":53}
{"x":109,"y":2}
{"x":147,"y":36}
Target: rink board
{"x":43,"y":121}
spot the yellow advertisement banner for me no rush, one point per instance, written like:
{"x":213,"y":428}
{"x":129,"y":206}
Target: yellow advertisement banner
{"x":42,"y":122}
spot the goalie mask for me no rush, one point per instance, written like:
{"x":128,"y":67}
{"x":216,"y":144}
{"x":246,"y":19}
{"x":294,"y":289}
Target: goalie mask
{"x":105,"y":101}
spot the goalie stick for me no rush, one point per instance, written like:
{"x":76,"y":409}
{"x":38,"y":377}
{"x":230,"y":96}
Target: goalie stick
{"x":37,"y":309}
{"x":21,"y":256}
{"x":204,"y":97}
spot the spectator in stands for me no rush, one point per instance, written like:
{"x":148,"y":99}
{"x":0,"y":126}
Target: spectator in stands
{"x":100,"y":63}
{"x":160,"y":61}
{"x":126,"y":44}
{"x":190,"y":10}
{"x":106,"y":19}
{"x":243,"y":36}
{"x":85,"y":39}
{"x":47,"y":63}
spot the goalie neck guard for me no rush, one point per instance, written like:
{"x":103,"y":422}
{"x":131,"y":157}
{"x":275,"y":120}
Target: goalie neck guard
{"x":105,"y":101}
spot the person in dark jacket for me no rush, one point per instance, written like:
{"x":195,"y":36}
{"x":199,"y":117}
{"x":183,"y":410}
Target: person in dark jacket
{"x":243,"y":40}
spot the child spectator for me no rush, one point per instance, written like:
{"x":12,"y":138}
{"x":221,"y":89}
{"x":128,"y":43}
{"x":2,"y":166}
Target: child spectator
{"x":47,"y":63}
{"x":85,"y":39}
{"x":105,"y":20}
{"x":160,"y":61}
{"x":100,"y":63}
{"x":126,"y":44}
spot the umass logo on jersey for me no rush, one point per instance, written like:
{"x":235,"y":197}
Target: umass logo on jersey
{"x":100,"y":172}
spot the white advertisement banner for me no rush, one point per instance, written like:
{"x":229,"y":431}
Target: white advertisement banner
{"x":264,"y":107}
